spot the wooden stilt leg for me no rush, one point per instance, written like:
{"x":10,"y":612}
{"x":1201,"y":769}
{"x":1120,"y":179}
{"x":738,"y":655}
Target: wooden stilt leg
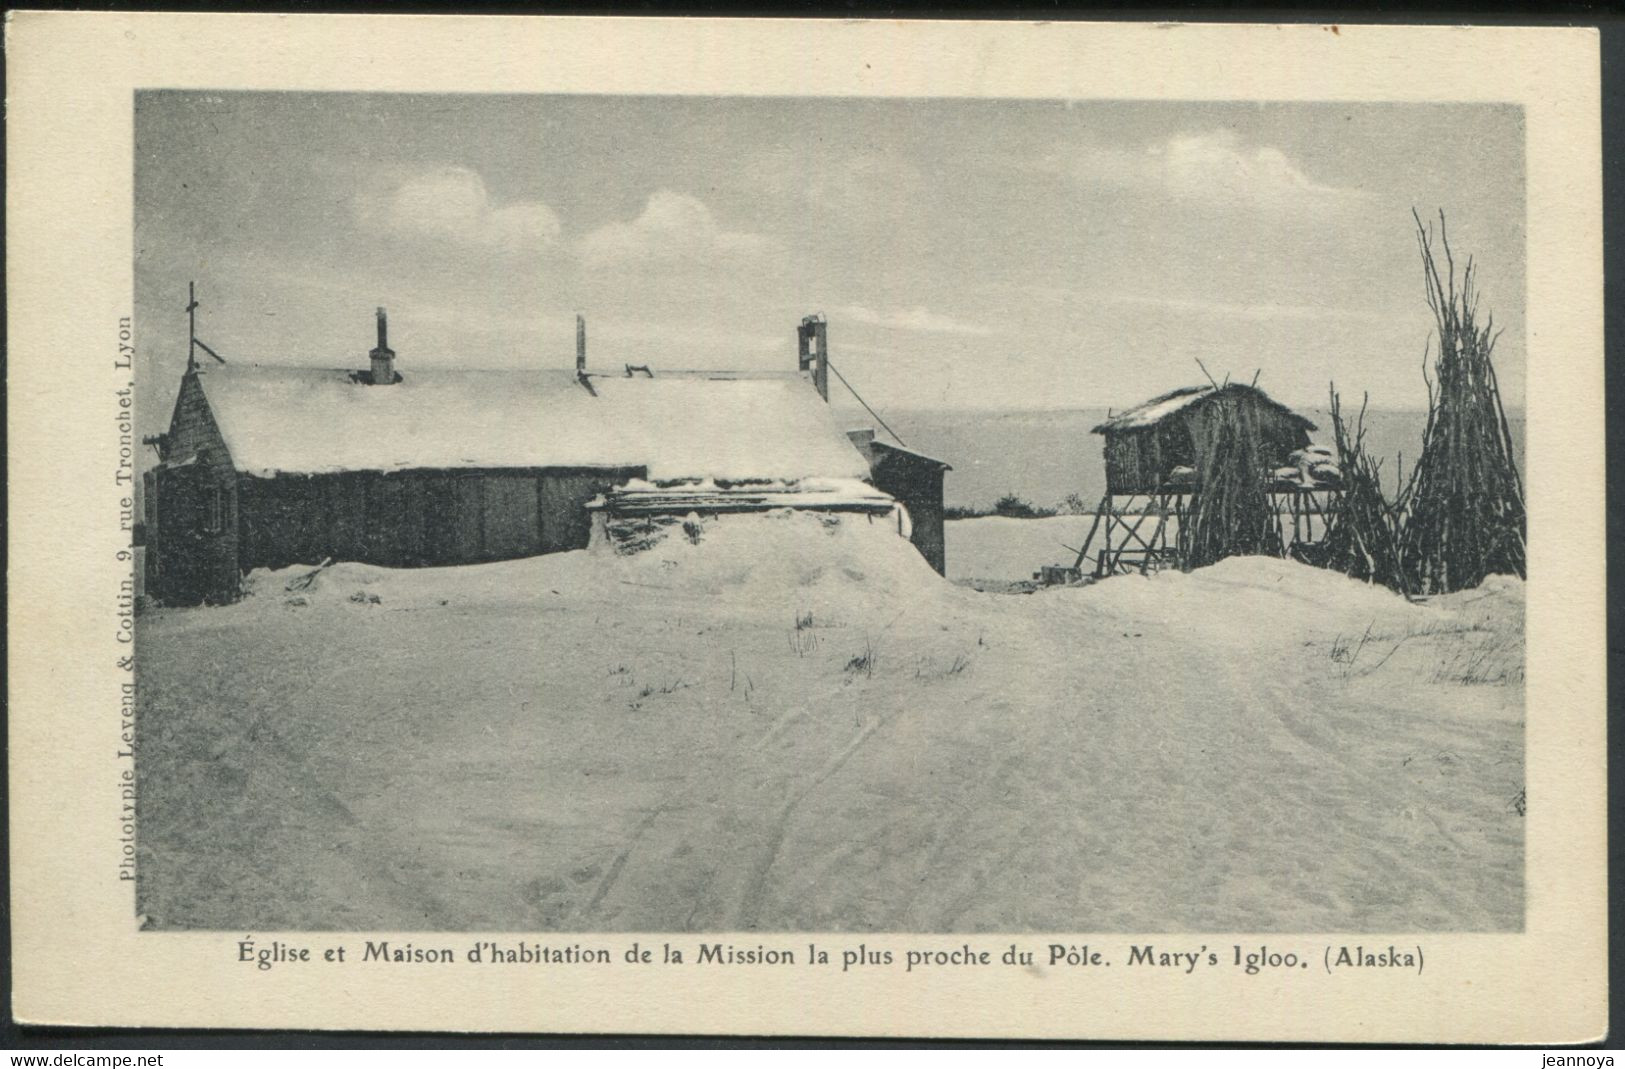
{"x":1156,"y":536}
{"x":1092,"y":528}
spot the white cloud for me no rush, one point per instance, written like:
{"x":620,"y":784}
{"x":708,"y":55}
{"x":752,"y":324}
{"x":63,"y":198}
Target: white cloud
{"x":673,"y":228}
{"x":1218,"y":164}
{"x":1214,"y":167}
{"x":914,"y":319}
{"x":1263,"y":312}
{"x":451,"y":204}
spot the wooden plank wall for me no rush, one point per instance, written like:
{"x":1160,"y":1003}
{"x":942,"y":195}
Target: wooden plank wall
{"x":418,"y":518}
{"x":512,"y":515}
{"x":187,"y":562}
{"x":196,"y":561}
{"x":565,"y":523}
{"x":917,"y":483}
{"x":1138,"y":461}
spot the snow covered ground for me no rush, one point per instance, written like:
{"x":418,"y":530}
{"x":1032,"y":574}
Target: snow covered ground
{"x":796,"y":725}
{"x":1000,"y":547}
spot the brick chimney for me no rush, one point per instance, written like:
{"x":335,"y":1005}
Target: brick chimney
{"x":812,"y":351}
{"x":383,"y":357}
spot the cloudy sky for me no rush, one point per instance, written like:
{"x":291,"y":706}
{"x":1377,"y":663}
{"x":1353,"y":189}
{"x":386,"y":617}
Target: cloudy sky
{"x":976,"y":254}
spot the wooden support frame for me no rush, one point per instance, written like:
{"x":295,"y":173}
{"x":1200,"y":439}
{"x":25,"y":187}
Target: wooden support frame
{"x":1120,"y":520}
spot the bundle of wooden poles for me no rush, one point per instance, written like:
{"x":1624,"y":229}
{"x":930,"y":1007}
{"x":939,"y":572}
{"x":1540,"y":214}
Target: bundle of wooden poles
{"x":1231,"y":515}
{"x":1461,"y":516}
{"x":1363,"y":535}
{"x":1464,"y":507}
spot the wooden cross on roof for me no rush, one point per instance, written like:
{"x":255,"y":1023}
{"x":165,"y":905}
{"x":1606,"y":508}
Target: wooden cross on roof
{"x":191,"y":326}
{"x":193,"y":342}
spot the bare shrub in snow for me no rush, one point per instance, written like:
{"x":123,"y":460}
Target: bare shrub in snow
{"x":864,"y":663}
{"x":1018,"y":508}
{"x":802,"y":640}
{"x":1484,"y":660}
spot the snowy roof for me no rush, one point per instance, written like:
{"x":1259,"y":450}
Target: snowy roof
{"x":308,"y":421}
{"x":1159,"y":408}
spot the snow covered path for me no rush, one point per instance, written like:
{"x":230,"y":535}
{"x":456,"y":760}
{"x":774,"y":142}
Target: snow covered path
{"x":831,"y":742}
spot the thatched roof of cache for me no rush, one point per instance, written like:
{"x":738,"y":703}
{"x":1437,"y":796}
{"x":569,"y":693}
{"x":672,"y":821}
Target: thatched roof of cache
{"x":1164,"y":406}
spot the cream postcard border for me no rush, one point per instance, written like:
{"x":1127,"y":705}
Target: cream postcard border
{"x":78,"y":956}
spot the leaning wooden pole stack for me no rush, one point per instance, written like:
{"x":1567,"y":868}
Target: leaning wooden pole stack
{"x":1231,"y":514}
{"x":1363,"y":537}
{"x":1465,"y":506}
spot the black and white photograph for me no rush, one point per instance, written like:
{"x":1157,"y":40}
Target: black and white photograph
{"x":910,"y":529}
{"x":571,"y":513}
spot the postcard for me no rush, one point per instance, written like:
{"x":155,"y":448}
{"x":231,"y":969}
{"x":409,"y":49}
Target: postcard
{"x":754,"y":527}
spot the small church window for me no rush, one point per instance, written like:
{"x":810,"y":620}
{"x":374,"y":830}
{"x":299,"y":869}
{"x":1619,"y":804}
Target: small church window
{"x":214,"y":510}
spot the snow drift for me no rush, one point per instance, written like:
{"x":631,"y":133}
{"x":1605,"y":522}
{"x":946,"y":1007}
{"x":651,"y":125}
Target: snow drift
{"x":793,"y":724}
